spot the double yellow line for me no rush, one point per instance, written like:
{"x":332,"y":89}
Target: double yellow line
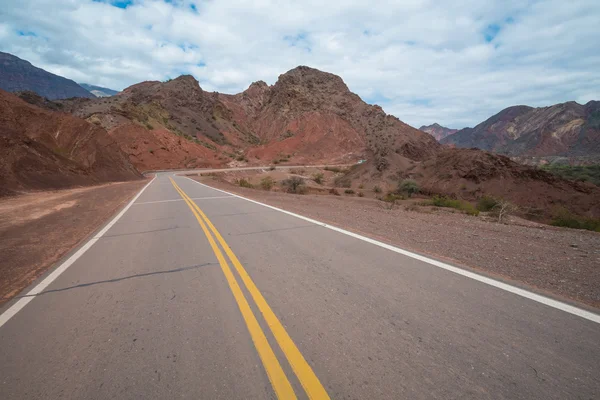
{"x":281,"y":385}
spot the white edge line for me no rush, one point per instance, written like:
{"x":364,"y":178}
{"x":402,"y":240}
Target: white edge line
{"x":15,"y":308}
{"x":489,"y":281}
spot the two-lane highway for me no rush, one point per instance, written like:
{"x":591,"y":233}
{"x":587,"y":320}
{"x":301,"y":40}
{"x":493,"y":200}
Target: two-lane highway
{"x":195,"y":293}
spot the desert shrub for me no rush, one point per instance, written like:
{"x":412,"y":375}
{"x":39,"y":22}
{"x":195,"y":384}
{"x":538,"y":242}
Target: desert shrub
{"x":272,"y":168}
{"x":334,"y":192}
{"x":332,"y":169}
{"x":361,"y":186}
{"x":503,"y":209}
{"x":275,"y":161}
{"x":151,"y":151}
{"x":267,"y":183}
{"x":409,"y":187}
{"x":342,"y":182}
{"x":466,"y":207}
{"x":376,"y":189}
{"x":392,"y":197}
{"x":318,"y":178}
{"x":244,"y":183}
{"x":241,"y":157}
{"x":567,"y":219}
{"x":486,"y":203}
{"x":360,"y":194}
{"x":349,"y":191}
{"x":295,"y":184}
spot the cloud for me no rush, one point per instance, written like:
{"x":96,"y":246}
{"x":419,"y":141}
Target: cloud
{"x":421,"y":60}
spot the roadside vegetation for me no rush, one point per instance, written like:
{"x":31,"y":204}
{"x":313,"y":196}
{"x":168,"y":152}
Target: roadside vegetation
{"x":565,"y":218}
{"x":580,"y":173}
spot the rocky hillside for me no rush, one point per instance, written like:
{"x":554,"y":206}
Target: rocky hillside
{"x":437,"y":131}
{"x":306,"y":116}
{"x":98,"y":91}
{"x":42,"y":149}
{"x":19,"y":75}
{"x":567,"y":129}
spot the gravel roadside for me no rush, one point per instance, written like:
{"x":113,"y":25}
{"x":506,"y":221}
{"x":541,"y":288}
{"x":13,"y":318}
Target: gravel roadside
{"x":37,"y":229}
{"x":555,"y":261}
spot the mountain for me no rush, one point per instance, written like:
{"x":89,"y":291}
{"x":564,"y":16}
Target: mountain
{"x":437,"y":131}
{"x":98,"y":91}
{"x":311,"y":117}
{"x":567,"y":129}
{"x":19,"y":75}
{"x":306,"y":116}
{"x":42,"y":149}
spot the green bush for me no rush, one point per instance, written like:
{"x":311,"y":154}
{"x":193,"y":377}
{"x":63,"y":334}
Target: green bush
{"x":466,"y":207}
{"x":318,"y":178}
{"x":376,"y":189}
{"x":267,"y":183}
{"x":567,"y":219}
{"x":486,"y":203}
{"x":295,"y":184}
{"x":244,"y":183}
{"x":409,"y":187}
{"x":349,"y":191}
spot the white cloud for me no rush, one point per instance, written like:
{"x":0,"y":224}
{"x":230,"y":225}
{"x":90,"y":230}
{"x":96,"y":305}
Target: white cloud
{"x":422,"y":60}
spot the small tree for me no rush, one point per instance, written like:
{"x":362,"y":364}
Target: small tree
{"x":295,"y":184}
{"x":504,"y":208}
{"x":409,"y":187}
{"x":318,"y":178}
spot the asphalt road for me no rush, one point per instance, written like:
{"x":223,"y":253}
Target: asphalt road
{"x":218,"y":297}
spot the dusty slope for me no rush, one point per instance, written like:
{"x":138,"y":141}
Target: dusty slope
{"x":567,"y":129}
{"x":41,"y":149}
{"x":19,"y":75}
{"x":37,"y":229}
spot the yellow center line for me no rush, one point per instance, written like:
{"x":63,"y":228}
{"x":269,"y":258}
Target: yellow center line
{"x":311,"y":384}
{"x":281,"y":385}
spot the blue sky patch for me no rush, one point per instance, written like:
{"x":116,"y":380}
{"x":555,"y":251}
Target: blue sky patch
{"x":26,"y":33}
{"x":491,"y":32}
{"x":116,"y":3}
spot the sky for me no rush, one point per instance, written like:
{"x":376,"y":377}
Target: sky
{"x":452,"y":62}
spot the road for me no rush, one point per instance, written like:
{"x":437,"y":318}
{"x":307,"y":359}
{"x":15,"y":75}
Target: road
{"x":194,"y":293}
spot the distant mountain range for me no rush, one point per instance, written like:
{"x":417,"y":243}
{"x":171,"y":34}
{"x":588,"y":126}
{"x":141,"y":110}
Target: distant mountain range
{"x":98,"y":91}
{"x":567,"y":129}
{"x":437,"y":131}
{"x":18,"y":75}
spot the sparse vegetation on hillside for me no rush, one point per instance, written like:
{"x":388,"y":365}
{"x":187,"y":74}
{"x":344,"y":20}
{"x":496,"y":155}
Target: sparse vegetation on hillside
{"x":267,"y":183}
{"x":581,"y":173}
{"x":565,"y":218}
{"x":318,"y":178}
{"x":486,"y":203}
{"x":409,"y":187}
{"x":244,"y":183}
{"x":464,"y":206}
{"x":295,"y":184}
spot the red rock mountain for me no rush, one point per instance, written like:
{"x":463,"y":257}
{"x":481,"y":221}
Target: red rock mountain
{"x":306,"y":116}
{"x":567,"y":129}
{"x":41,"y":149}
{"x":437,"y":131}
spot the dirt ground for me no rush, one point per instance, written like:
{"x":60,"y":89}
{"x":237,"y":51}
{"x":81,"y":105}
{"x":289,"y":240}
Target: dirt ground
{"x":37,"y":229}
{"x":556,"y":261}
